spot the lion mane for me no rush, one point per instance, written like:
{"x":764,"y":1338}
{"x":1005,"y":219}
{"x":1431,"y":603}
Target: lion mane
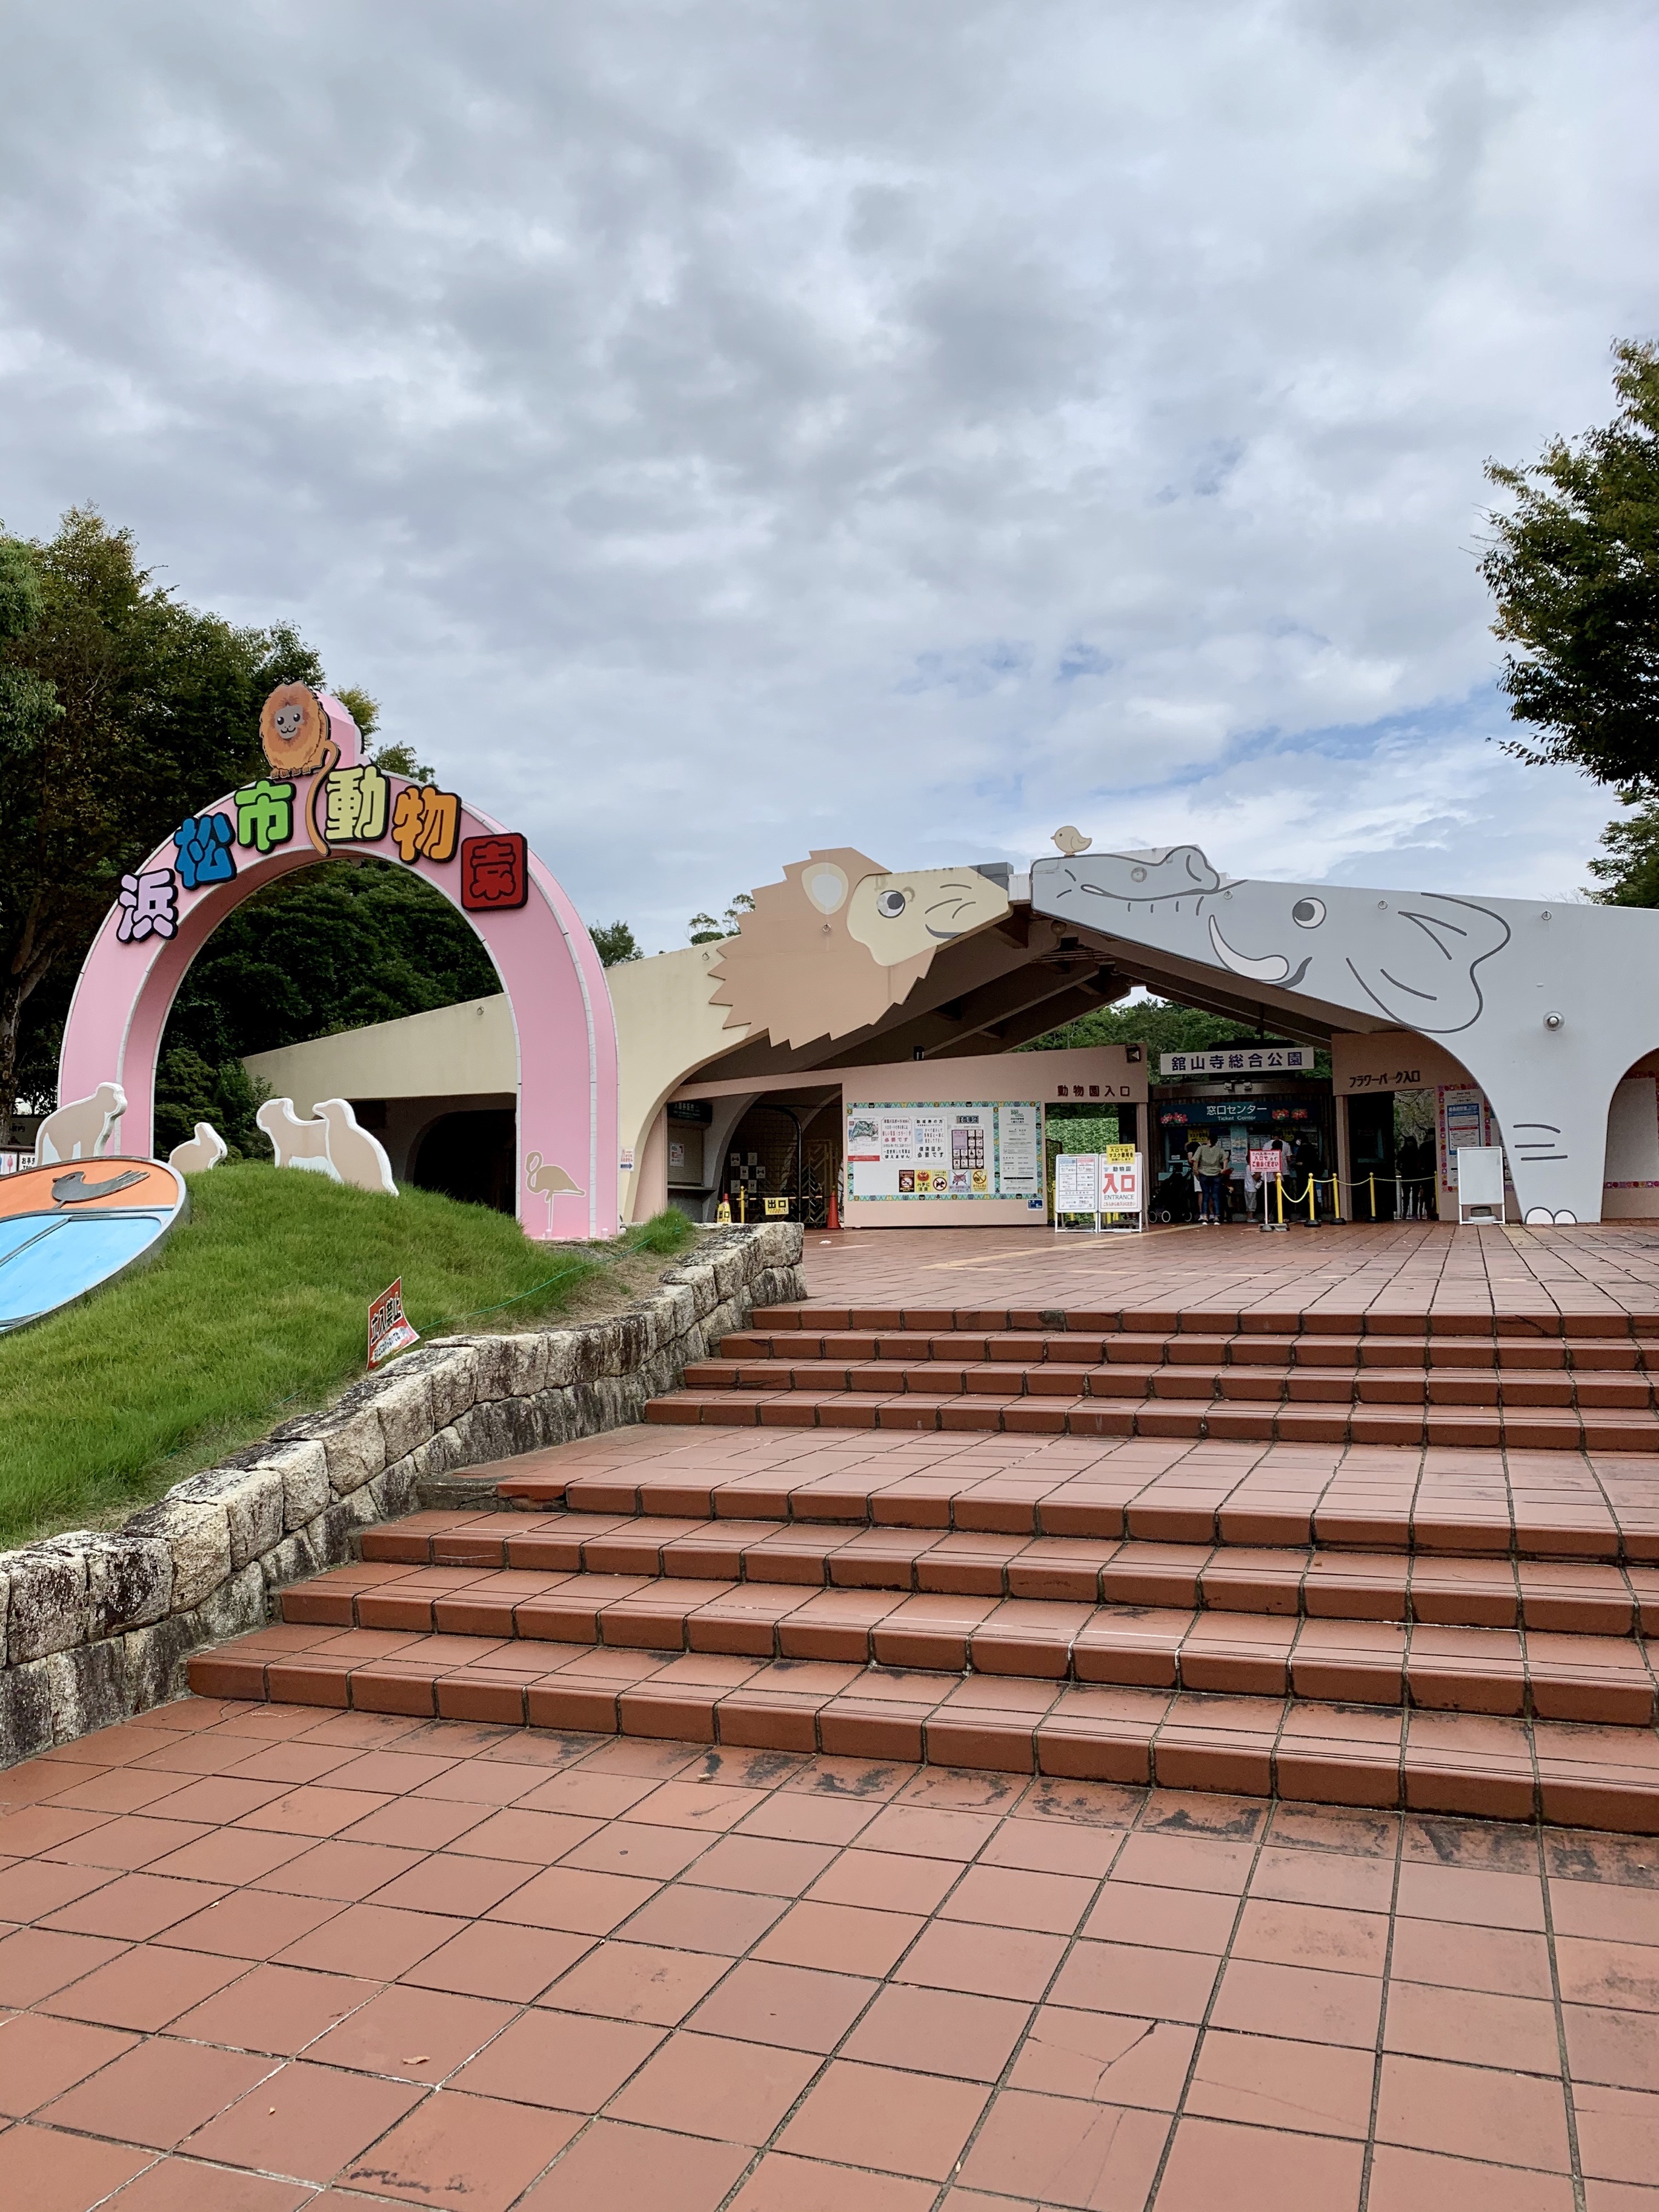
{"x":293,"y":730}
{"x":795,"y":969}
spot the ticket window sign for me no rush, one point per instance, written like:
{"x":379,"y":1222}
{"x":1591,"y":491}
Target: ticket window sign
{"x":1267,"y":1162}
{"x":1108,"y":1189}
{"x":1480,"y":1183}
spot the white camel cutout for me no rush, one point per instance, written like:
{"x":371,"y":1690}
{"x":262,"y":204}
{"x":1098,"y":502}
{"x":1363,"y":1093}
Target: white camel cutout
{"x":332,"y":1144}
{"x":198,"y":1153}
{"x":82,"y":1128}
{"x":550,"y":1181}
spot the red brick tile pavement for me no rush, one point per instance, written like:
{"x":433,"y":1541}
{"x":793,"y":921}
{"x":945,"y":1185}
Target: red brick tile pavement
{"x":694,"y":1979}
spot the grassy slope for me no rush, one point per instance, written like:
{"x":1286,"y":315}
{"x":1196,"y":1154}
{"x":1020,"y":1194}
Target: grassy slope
{"x":255,"y":1309}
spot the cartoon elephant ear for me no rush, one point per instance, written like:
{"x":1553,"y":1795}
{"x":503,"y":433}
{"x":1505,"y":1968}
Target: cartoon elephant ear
{"x":826,"y":885}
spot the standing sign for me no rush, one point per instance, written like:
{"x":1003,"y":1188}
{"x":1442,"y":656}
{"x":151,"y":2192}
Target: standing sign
{"x":388,"y":1328}
{"x":1268,"y":1162}
{"x":1480,"y":1183}
{"x":1103,"y":1185}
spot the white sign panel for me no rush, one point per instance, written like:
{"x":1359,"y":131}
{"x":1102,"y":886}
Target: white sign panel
{"x":956,"y":1149}
{"x":1076,"y":1183}
{"x":1481,"y":1177}
{"x":1240,"y":1059}
{"x":1266,"y":1163}
{"x":1099,"y":1182}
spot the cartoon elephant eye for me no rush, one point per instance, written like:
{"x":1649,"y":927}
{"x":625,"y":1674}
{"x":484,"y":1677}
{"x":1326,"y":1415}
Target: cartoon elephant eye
{"x":890,"y":905}
{"x":1309,"y":913}
{"x":1137,"y":875}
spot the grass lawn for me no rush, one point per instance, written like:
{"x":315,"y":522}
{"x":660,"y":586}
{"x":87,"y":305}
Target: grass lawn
{"x":255,"y":1309}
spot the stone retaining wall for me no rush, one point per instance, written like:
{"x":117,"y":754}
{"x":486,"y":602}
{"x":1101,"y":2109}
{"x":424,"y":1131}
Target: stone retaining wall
{"x":95,"y":1628}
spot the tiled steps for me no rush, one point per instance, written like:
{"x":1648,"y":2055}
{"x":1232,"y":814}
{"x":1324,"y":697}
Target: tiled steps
{"x":1330,"y":1378}
{"x":1557,"y":1676}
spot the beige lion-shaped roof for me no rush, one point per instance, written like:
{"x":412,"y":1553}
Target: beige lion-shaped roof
{"x":840,"y":940}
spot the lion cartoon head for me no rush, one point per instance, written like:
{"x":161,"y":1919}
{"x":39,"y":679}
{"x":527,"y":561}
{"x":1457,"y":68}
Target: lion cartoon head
{"x":840,"y":940}
{"x":294,"y":731}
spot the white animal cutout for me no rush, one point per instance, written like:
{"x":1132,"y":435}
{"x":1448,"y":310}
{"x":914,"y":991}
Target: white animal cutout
{"x":198,"y":1153}
{"x":82,"y":1128}
{"x":332,"y":1144}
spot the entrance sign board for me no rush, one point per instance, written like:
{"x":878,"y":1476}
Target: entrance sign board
{"x":1240,"y":1059}
{"x":1101,"y":1184}
{"x":320,"y":798}
{"x":951,"y":1148}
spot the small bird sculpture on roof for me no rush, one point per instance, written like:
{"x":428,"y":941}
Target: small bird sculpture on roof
{"x":1071,"y":840}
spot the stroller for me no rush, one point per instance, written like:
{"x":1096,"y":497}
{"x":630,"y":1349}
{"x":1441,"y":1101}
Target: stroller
{"x":1175,"y":1198}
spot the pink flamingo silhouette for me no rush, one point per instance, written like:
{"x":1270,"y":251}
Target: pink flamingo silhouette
{"x":552,"y":1181}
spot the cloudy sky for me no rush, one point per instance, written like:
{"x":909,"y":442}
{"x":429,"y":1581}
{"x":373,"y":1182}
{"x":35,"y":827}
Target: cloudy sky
{"x":716,"y":430}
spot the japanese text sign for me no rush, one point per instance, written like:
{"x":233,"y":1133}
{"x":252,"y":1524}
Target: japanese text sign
{"x":388,"y":1329}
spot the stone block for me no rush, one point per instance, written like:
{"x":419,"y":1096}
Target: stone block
{"x":129,"y":1581}
{"x":254,"y":1500}
{"x":353,"y":1447}
{"x":47,"y":1610}
{"x":306,"y":1487}
{"x":199,"y":1536}
{"x":153,"y":1661}
{"x":88,"y":1689}
{"x":452,"y":1374}
{"x":404,"y":1404}
{"x":25,"y":1710}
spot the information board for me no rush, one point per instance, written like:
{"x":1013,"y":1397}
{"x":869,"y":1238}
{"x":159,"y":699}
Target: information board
{"x":1095,"y":1184}
{"x":947,"y":1148}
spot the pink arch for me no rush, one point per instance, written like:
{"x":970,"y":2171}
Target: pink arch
{"x":563,"y":1028}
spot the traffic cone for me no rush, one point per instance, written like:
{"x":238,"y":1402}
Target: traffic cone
{"x":833,"y":1223}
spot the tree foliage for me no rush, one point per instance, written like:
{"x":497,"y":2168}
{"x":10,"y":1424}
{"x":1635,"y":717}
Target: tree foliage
{"x":1154,"y":1023}
{"x":615,"y":943}
{"x":1574,"y":567}
{"x":121,"y":711}
{"x":1628,"y":874}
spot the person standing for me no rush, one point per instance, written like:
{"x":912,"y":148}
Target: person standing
{"x":1211,"y":1163}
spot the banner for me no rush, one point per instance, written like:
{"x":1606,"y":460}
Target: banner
{"x":949,"y":1148}
{"x":388,"y":1328}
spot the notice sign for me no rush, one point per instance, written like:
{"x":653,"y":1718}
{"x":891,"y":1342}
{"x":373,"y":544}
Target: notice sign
{"x":1267,"y":1162}
{"x":956,"y":1149}
{"x":388,"y":1328}
{"x":1099,"y":1182}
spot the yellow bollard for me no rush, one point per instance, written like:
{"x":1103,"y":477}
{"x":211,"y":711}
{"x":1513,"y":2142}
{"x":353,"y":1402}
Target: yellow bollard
{"x":1313,"y":1217}
{"x":1279,"y":1193}
{"x":1372,"y":1179}
{"x":1336,"y":1195}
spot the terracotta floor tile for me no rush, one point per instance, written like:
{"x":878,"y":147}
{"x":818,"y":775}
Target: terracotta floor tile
{"x":42,"y":2059}
{"x":1508,"y":1962}
{"x":905,"y":2123}
{"x":635,"y":1981}
{"x":278,"y":2009}
{"x":374,"y":1940}
{"x":120,"y":1790}
{"x":628,"y":1847}
{"x":1266,"y":2083}
{"x":185,"y":2184}
{"x":346,"y":1873}
{"x":793,"y":1816}
{"x":703,"y":2085}
{"x":1066,"y":2152}
{"x":449,"y":1881}
{"x":250,"y":1923}
{"x":706,"y":1806}
{"x":41,"y":2171}
{"x":1462,"y":1893}
{"x":415,"y":2035}
{"x":779,"y":1867}
{"x":471,"y":2153}
{"x":33,"y":1887}
{"x":1125,"y":1977}
{"x":1472,"y":2112}
{"x":1111,"y":2057}
{"x":491,"y":1959}
{"x":1053,"y":1845}
{"x":135,"y":1905}
{"x":1311,"y":1935}
{"x":1417,"y":2181}
{"x":1324,"y":1877}
{"x":939,"y":2032}
{"x":217,"y":1798}
{"x":533,"y":1839}
{"x":568,"y":2060}
{"x":683,"y":1917}
{"x":791,"y":2005}
{"x":1515,"y":2032}
{"x":1183,"y":1861}
{"x":36,"y":1962}
{"x":960,"y":1836}
{"x":1299,"y":2002}
{"x":847,"y":1938}
{"x":232,"y":1856}
{"x":588,"y":1792}
{"x":1257,"y":2170}
{"x":158,"y":2093}
{"x":782,"y":2183}
{"x":888,"y":1880}
{"x":1620,"y":2049}
{"x":567,"y":1897}
{"x":1003,"y":1896}
{"x":314,"y":1810}
{"x":1170,"y":1919}
{"x":144,"y":1988}
{"x":1595,"y":1973}
{"x":1618,"y":2133}
{"x":418,"y":1823}
{"x":41,"y":1827}
{"x":615,"y":2167}
{"x":304,"y":2122}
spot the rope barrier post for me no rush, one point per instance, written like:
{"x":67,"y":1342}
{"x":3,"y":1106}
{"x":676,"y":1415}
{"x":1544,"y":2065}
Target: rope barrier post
{"x":1372,"y":1179}
{"x":1336,"y":1195}
{"x":1278,"y":1193}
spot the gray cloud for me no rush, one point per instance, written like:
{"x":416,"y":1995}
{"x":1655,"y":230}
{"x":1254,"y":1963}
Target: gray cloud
{"x":711,"y":431}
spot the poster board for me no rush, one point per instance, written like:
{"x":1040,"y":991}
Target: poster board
{"x":1108,"y":1188}
{"x":1480,"y":1182}
{"x":909,"y":1152}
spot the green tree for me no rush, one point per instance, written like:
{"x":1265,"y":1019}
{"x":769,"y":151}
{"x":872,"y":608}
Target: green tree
{"x":156,"y":712}
{"x":1574,"y":567}
{"x":1629,"y":875}
{"x":1154,"y":1023}
{"x":703,"y":929}
{"x":615,"y":943}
